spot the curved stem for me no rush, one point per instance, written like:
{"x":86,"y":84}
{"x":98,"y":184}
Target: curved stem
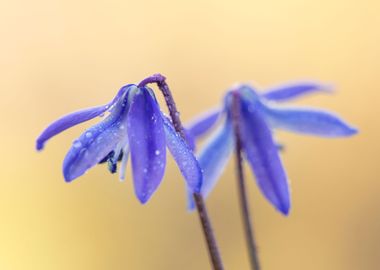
{"x":249,"y":234}
{"x":213,"y":249}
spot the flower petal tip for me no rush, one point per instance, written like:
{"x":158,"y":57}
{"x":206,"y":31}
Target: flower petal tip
{"x":68,"y":174}
{"x":39,"y":145}
{"x":285,"y":210}
{"x":347,"y":131}
{"x":352,"y":131}
{"x":143,"y":198}
{"x":68,"y":178}
{"x":190,"y":204}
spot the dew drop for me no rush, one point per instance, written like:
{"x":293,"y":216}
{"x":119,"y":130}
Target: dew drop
{"x":88,"y":135}
{"x":157,"y":152}
{"x":77,"y":144}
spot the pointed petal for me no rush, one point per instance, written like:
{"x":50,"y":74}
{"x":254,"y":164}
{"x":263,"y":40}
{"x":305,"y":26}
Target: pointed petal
{"x":309,"y":121}
{"x":67,"y":122}
{"x":97,"y":142}
{"x":214,"y":157}
{"x":262,"y":154}
{"x":147,"y":144}
{"x":202,"y":124}
{"x":184,"y":157}
{"x":75,"y":118}
{"x":294,"y":90}
{"x":91,"y":147}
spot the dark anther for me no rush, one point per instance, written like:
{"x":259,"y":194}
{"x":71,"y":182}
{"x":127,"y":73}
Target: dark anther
{"x":112,"y":165}
{"x":112,"y":161}
{"x":120,"y":156}
{"x":108,"y":156}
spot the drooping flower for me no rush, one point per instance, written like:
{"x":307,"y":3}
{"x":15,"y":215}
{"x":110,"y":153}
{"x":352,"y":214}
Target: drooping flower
{"x":260,"y":115}
{"x":134,"y":125}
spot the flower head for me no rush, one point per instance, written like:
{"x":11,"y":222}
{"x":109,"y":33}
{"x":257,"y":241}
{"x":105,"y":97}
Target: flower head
{"x":136,"y":126}
{"x":259,"y":115}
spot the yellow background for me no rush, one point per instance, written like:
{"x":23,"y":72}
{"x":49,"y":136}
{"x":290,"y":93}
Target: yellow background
{"x":59,"y":56}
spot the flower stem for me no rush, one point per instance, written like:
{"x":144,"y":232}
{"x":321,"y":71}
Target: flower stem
{"x":249,"y":234}
{"x":213,"y":249}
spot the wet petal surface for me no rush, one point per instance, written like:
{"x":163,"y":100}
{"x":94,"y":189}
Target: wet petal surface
{"x":76,"y":118}
{"x":147,"y":144}
{"x":184,"y":157}
{"x":97,"y":142}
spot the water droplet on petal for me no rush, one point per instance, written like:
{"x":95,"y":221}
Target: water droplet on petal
{"x":157,"y":152}
{"x":88,"y":135}
{"x":77,"y":144}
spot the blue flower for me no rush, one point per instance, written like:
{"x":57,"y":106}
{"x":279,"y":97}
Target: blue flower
{"x":134,"y":125}
{"x":259,"y":116}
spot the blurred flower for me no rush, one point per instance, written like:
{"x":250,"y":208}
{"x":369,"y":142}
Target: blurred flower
{"x":134,"y":125}
{"x":258,"y":116}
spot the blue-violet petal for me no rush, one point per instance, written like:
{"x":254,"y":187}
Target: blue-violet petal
{"x":75,"y":118}
{"x":147,"y":144}
{"x":202,"y":124}
{"x":263,"y":157}
{"x":294,"y":90}
{"x":184,"y":157}
{"x":96,"y":143}
{"x":214,"y":157}
{"x":308,"y":121}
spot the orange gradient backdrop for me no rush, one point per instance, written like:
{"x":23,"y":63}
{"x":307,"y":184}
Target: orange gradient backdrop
{"x":60,"y":56}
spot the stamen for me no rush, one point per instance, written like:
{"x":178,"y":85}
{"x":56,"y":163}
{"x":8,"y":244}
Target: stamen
{"x":112,"y":161}
{"x":108,"y":156}
{"x":124,"y":161}
{"x":112,"y":165}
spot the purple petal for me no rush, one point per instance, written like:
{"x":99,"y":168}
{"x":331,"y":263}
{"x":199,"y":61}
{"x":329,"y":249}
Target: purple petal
{"x":75,"y":118}
{"x":309,"y":121}
{"x":214,"y":157}
{"x":184,"y":157}
{"x":147,"y":144}
{"x":201,"y":125}
{"x":96,"y":142}
{"x":68,"y":121}
{"x":293,"y":90}
{"x":262,"y":154}
{"x":190,"y":139}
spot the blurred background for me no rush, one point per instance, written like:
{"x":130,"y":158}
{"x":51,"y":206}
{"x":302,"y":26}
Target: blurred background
{"x":60,"y":56}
